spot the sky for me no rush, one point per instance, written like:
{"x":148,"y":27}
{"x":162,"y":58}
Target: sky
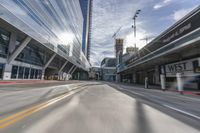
{"x":155,"y":17}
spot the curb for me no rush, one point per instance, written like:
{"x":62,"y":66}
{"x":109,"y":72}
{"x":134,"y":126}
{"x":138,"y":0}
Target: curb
{"x":186,"y":92}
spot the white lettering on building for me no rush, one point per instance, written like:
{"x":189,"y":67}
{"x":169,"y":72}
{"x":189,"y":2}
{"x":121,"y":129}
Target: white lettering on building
{"x":178,"y":32}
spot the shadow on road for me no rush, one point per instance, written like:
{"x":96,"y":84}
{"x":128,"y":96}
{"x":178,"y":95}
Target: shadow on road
{"x":142,"y":121}
{"x":143,"y":100}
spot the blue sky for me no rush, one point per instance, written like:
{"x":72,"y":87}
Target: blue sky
{"x":155,"y":17}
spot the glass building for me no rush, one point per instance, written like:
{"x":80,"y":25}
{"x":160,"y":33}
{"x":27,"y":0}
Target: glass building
{"x":86,"y":7}
{"x":39,"y":37}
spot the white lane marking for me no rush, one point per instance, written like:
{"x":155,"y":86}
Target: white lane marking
{"x":160,"y":91}
{"x":181,"y":111}
{"x":191,"y":98}
{"x":134,"y":92}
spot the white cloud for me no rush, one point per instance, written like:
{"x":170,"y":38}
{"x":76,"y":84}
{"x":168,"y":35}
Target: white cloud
{"x":108,"y":16}
{"x":181,"y":13}
{"x":162,"y":4}
{"x":130,"y":40}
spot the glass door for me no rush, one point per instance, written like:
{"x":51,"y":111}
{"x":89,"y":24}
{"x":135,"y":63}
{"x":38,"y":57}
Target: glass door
{"x":1,"y":70}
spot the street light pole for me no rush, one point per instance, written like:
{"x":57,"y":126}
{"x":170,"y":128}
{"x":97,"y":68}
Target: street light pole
{"x":134,"y":25}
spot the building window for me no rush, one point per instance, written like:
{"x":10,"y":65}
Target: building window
{"x":14,"y":72}
{"x":36,"y":74}
{"x":26,"y":73}
{"x":39,"y":74}
{"x":33,"y":55}
{"x":32,"y":74}
{"x":1,"y":70}
{"x":4,"y":41}
{"x":21,"y":73}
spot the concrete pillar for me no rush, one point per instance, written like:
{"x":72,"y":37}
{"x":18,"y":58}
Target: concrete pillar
{"x":11,"y":47}
{"x":180,"y":83}
{"x":47,"y":64}
{"x":43,"y":74}
{"x":50,"y":60}
{"x":146,"y":83}
{"x":74,"y":70}
{"x":163,"y":82}
{"x":78,"y":76}
{"x":60,"y":74}
{"x":118,"y":78}
{"x":12,"y":43}
{"x":134,"y":78}
{"x":71,"y":69}
{"x":157,"y":75}
{"x":19,"y":49}
{"x":7,"y":72}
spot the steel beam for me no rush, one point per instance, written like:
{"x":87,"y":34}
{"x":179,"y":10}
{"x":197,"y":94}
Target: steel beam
{"x":19,"y":49}
{"x":62,"y":67}
{"x":49,"y":61}
{"x":74,"y":70}
{"x":71,"y":69}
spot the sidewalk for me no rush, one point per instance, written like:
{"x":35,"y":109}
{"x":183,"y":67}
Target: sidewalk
{"x":187,"y":92}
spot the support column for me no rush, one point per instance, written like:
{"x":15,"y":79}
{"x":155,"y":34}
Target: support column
{"x":19,"y":49}
{"x":134,"y":77}
{"x":163,"y":82}
{"x":11,"y":47}
{"x":12,"y":43}
{"x":68,"y":73}
{"x":179,"y":82}
{"x":43,"y":73}
{"x":71,"y":69}
{"x":7,"y":72}
{"x":157,"y":74}
{"x":61,"y":69}
{"x":146,"y":83}
{"x":118,"y":78}
{"x":78,"y":76}
{"x":74,"y":70}
{"x":50,"y":60}
{"x":47,"y":64}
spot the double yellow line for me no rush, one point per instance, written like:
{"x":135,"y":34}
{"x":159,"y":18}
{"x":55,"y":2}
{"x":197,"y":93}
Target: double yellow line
{"x":27,"y":112}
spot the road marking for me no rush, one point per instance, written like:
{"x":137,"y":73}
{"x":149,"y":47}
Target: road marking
{"x":181,"y":111}
{"x":27,"y":112}
{"x":134,"y":92}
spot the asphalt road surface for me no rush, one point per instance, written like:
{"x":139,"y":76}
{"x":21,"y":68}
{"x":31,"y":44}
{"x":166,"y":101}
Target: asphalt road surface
{"x":95,"y":107}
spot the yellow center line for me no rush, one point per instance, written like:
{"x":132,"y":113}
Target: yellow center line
{"x":27,"y":112}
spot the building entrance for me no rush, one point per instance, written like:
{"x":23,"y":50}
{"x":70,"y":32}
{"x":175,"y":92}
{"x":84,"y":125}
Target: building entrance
{"x":1,"y":70}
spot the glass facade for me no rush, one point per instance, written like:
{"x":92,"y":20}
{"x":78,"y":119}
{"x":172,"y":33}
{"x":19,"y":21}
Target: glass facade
{"x":84,"y":8}
{"x":4,"y":41}
{"x":26,"y":73}
{"x":1,"y":70}
{"x":32,"y":55}
{"x":19,"y":72}
{"x":57,"y":24}
{"x":14,"y":72}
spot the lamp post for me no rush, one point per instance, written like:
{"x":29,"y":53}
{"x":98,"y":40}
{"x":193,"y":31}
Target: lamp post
{"x":134,"y":23}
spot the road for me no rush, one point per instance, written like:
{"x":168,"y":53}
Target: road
{"x":95,"y":107}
